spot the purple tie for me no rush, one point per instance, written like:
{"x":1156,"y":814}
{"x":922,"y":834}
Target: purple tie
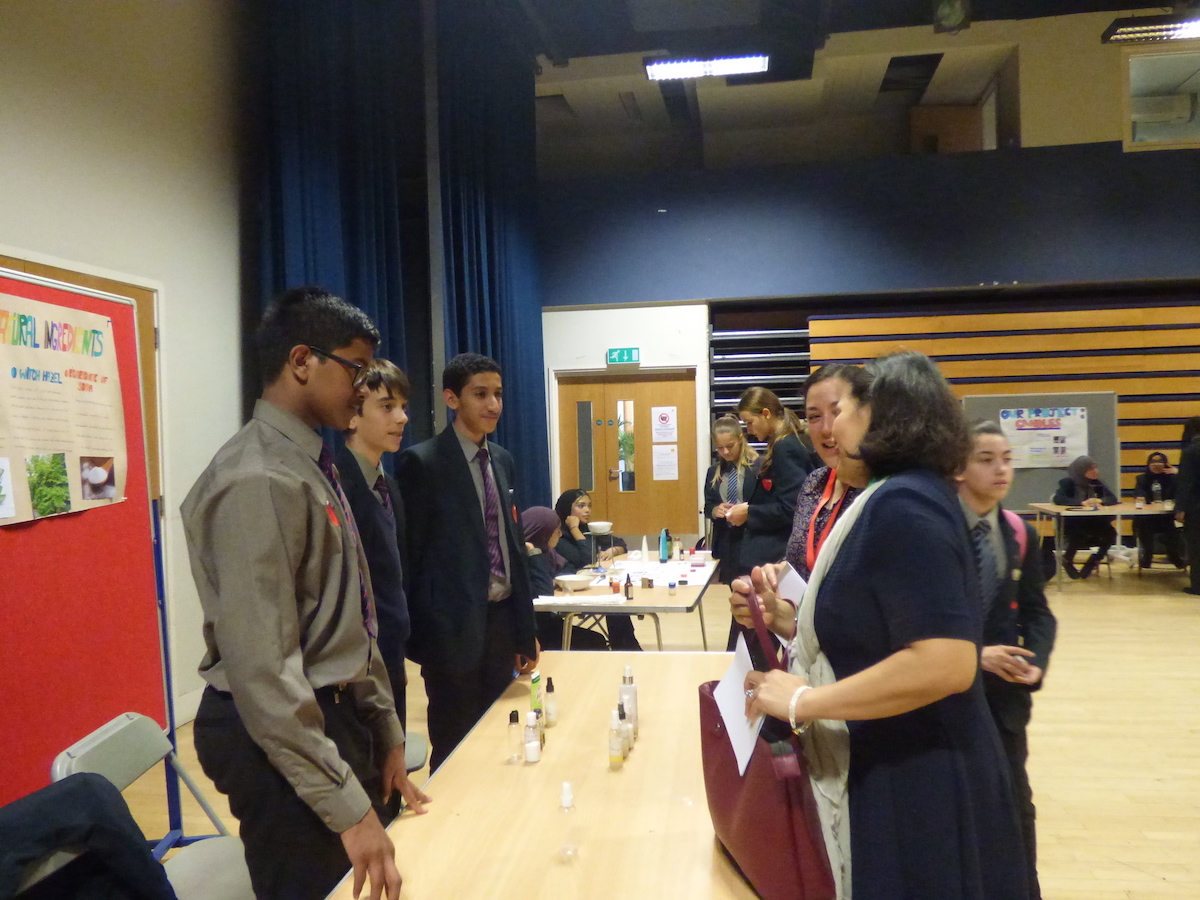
{"x":491,"y":513}
{"x":384,"y":495}
{"x":325,"y":463}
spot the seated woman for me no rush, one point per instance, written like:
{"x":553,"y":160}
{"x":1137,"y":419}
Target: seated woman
{"x":725,"y":487}
{"x":1154,"y":485}
{"x":574,"y":510}
{"x":541,"y":535}
{"x":1083,"y":487}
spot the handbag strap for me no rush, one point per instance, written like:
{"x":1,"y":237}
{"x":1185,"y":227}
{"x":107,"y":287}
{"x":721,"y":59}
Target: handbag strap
{"x":760,"y":628}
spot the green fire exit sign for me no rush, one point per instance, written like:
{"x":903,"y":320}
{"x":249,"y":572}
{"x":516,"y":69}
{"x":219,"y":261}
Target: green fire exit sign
{"x":624,"y":355}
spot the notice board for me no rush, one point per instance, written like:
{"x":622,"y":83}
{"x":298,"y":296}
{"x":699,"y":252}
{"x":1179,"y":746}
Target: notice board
{"x":79,"y":608}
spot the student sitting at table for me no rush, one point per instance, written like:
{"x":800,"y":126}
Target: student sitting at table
{"x":542,"y":534}
{"x":574,"y":510}
{"x":1083,"y":487}
{"x":1154,"y":485}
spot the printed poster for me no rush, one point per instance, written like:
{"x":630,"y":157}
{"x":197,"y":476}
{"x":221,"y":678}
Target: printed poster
{"x":1047,"y":437}
{"x":666,"y":424}
{"x":62,"y":426}
{"x":666,"y":462}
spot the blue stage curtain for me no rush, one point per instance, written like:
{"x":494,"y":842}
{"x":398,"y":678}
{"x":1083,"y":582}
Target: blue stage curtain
{"x":341,"y":169}
{"x":489,"y":182}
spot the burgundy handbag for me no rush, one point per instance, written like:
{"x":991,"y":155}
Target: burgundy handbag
{"x":766,"y":820}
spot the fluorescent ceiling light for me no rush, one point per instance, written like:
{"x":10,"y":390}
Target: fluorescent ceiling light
{"x":667,"y":69}
{"x":1140,"y":29}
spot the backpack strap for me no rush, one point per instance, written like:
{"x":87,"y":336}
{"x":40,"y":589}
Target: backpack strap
{"x":1018,"y":526}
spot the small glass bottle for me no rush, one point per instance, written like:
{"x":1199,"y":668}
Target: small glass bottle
{"x":616,"y":758}
{"x":671,"y":588}
{"x":533,"y":740}
{"x":516,"y":738}
{"x":628,"y":587}
{"x":551,"y":704}
{"x":1156,"y":492}
{"x":568,"y":850}
{"x":541,"y":724}
{"x":626,"y":731}
{"x":628,"y":696}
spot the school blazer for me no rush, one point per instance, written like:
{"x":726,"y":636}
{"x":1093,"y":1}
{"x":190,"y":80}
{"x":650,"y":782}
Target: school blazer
{"x":447,"y":574}
{"x":726,"y":538}
{"x":772,"y":502}
{"x":1019,"y":616}
{"x":1187,"y":483}
{"x":382,"y":545}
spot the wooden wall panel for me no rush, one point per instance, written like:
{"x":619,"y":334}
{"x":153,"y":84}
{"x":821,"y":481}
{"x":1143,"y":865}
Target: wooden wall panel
{"x":1148,"y":355}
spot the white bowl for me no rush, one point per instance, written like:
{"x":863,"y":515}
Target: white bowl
{"x":572,"y":583}
{"x":600,"y":527}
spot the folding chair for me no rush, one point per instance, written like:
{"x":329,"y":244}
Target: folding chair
{"x":203,"y":868}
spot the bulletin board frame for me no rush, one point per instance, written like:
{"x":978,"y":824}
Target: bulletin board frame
{"x":81,"y":604}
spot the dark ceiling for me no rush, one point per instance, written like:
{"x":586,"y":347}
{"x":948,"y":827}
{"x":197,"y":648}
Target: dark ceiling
{"x":791,"y":30}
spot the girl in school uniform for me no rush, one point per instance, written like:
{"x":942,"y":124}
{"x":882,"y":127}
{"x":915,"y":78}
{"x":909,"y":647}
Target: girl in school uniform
{"x":1083,"y":487}
{"x":1154,"y":485}
{"x":724,"y":487}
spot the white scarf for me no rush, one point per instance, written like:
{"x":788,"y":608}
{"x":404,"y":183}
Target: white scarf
{"x":826,"y":743}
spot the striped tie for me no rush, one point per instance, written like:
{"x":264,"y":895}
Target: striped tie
{"x":491,"y":513}
{"x":985,"y":557}
{"x":732,"y":486}
{"x":325,"y":463}
{"x":385,"y":496}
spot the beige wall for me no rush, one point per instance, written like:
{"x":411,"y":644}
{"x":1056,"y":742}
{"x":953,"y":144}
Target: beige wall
{"x":117,"y":158}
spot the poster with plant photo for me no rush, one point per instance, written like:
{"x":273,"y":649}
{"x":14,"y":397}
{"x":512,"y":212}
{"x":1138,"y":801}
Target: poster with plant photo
{"x":62,"y":425}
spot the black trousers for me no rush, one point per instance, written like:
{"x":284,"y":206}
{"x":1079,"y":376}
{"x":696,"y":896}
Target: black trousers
{"x":1016,"y":749}
{"x":1081,"y":533}
{"x":458,"y":696}
{"x":291,"y":853}
{"x":1148,"y":527}
{"x":1191,"y":537}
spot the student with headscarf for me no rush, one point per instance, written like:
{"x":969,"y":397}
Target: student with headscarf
{"x":542,"y":533}
{"x":1187,"y":498}
{"x":1154,"y":485}
{"x":574,"y":511}
{"x":1083,"y":487}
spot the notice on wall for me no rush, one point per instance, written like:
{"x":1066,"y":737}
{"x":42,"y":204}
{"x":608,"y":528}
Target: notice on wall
{"x":62,"y":426}
{"x":666,"y":462}
{"x":1049,"y":437}
{"x":666,"y":424}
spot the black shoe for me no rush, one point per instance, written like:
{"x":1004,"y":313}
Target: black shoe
{"x":1072,"y":572}
{"x":1192,"y":591}
{"x":1090,"y":566}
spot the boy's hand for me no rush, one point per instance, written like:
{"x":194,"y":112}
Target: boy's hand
{"x":395,"y":775}
{"x":373,"y":855}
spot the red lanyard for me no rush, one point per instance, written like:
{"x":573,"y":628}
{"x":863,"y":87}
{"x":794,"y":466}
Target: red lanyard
{"x":814,"y":546}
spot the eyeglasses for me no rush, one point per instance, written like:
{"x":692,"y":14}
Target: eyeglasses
{"x":355,"y":368}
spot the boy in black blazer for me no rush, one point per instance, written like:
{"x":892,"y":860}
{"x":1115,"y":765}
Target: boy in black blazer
{"x":1018,"y":626}
{"x":378,"y":508}
{"x":467,"y":581}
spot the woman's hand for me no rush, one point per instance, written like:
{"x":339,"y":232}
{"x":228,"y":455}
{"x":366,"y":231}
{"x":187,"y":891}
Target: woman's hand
{"x":737,"y":514}
{"x":606,"y":555}
{"x":720,"y":511}
{"x":778,"y":615}
{"x":1010,"y":663}
{"x":1092,"y":503}
{"x":769,"y":693}
{"x":572,"y":522}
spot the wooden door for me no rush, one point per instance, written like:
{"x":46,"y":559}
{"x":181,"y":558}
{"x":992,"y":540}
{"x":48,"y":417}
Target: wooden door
{"x":607,"y":441}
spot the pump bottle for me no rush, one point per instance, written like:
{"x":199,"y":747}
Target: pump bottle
{"x":628,"y":696}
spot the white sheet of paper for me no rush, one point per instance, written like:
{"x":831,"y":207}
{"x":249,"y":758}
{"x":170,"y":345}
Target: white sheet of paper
{"x":730,"y":695}
{"x":791,"y":585}
{"x":666,"y":462}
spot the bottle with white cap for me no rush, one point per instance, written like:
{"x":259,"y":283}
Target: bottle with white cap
{"x":533,"y":739}
{"x":628,"y":696}
{"x":568,"y":850}
{"x":616,"y":753}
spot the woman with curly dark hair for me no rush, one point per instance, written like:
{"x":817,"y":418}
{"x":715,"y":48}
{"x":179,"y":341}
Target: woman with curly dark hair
{"x":913,"y":790}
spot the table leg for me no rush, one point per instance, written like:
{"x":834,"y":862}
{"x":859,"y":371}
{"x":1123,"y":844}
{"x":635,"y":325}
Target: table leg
{"x":703,"y":631}
{"x":566,"y":638}
{"x":657,"y":629}
{"x":1059,"y":549}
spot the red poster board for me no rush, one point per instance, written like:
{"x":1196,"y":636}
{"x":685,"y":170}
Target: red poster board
{"x":79,"y":622}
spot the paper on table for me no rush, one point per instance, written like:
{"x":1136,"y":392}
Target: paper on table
{"x":730,"y":695}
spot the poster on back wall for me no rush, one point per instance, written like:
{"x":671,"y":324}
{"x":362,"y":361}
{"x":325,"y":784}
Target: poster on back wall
{"x":1044,"y":438}
{"x":62,"y":426}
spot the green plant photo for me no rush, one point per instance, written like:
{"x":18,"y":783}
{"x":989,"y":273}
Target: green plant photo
{"x":48,"y":489}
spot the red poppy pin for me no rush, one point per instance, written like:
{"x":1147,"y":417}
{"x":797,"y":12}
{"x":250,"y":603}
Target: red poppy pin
{"x":767,"y":483}
{"x":514,"y":513}
{"x":1014,"y":605}
{"x":333,"y":519}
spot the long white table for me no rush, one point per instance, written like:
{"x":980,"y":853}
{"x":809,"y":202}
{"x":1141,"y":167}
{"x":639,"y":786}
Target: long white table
{"x":601,"y":601}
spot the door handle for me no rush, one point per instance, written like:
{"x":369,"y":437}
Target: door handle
{"x":614,"y":474}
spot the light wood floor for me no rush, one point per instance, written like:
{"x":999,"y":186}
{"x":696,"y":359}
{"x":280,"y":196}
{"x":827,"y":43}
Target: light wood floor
{"x":1115,"y":739}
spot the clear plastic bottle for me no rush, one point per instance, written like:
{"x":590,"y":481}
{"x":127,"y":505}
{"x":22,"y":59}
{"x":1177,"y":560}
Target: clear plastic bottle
{"x":628,"y":696}
{"x":1156,"y":492}
{"x":616,"y":758}
{"x":533,"y":740}
{"x":516,"y":738}
{"x":626,"y":731}
{"x":551,"y":704}
{"x":568,"y":850}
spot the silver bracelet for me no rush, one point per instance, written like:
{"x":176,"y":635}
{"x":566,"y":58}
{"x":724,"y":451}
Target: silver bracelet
{"x":797,"y":729}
